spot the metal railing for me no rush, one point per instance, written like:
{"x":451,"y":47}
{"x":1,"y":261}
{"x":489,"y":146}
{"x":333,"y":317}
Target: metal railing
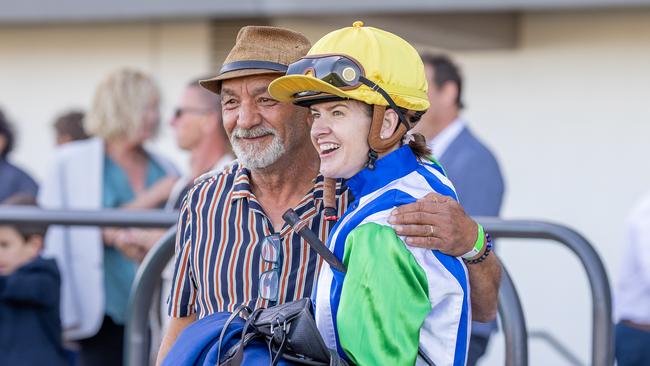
{"x":138,"y":342}
{"x":15,"y":215}
{"x":136,"y":338}
{"x":602,"y":342}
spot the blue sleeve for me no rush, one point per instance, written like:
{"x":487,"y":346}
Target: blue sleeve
{"x":34,"y":287}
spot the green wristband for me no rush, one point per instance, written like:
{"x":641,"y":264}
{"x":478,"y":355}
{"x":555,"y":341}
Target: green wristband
{"x":478,"y":245}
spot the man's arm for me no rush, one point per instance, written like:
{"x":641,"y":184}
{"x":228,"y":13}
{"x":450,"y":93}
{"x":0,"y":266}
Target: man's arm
{"x":176,"y":326}
{"x":438,"y":222}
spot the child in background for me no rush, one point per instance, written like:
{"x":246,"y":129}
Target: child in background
{"x":30,"y":326}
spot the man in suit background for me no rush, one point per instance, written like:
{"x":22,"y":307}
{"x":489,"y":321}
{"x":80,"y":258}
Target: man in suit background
{"x":470,"y":165}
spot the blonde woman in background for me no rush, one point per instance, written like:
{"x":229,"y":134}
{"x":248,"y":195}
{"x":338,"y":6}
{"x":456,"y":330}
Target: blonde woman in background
{"x":110,"y":170}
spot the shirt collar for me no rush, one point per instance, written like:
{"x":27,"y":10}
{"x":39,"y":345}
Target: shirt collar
{"x":387,"y":169}
{"x":441,"y":142}
{"x":242,"y":187}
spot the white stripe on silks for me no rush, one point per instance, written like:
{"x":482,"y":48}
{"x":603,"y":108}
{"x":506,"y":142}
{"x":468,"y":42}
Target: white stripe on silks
{"x":441,"y":177}
{"x":324,"y":317}
{"x":438,"y":334}
{"x":440,"y":328}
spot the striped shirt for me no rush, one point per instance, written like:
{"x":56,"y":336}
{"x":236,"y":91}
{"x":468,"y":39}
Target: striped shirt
{"x":221,"y":227}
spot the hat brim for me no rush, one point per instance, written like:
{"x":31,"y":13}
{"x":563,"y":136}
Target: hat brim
{"x":214,"y":84}
{"x":285,"y":88}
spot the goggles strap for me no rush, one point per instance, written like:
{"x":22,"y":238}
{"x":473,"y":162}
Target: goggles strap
{"x":388,"y":99}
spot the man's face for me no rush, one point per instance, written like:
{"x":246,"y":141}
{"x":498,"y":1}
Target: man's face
{"x":261,"y":129}
{"x":14,"y":250}
{"x":191,"y":118}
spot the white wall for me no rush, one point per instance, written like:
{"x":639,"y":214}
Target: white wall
{"x":47,"y":69}
{"x":567,"y":114}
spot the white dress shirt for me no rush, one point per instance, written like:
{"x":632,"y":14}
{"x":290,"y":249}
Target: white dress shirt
{"x":632,"y":298}
{"x":441,"y":142}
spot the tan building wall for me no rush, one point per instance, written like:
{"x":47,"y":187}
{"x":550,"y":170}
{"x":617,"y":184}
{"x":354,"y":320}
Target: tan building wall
{"x":561,"y":98}
{"x":47,"y":69}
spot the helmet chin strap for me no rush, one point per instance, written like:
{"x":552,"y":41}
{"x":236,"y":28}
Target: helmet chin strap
{"x":376,"y":143}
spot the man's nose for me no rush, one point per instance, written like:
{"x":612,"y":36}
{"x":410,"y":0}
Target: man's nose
{"x":249,"y":116}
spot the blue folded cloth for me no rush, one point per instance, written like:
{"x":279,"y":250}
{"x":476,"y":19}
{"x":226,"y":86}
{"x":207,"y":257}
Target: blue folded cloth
{"x":198,"y":344}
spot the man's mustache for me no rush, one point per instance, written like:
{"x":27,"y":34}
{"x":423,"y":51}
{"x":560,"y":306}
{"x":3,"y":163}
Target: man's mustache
{"x":253,"y":132}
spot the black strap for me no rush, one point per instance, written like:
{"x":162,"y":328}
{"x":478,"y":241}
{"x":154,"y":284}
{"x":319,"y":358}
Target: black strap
{"x":390,"y":101}
{"x":425,"y":358}
{"x":232,"y":317}
{"x":291,"y":217}
{"x":252,"y":64}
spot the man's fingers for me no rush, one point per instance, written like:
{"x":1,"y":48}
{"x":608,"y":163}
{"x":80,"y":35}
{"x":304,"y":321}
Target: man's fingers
{"x":424,"y":242}
{"x":408,"y":208}
{"x":412,"y":218}
{"x":416,"y":230}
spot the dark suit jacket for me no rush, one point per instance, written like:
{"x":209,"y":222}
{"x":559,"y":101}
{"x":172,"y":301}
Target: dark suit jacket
{"x":475,"y":173}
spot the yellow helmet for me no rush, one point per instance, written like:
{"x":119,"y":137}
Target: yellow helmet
{"x":361,"y":63}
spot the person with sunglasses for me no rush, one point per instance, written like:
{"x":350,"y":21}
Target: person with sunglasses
{"x":396,"y":304}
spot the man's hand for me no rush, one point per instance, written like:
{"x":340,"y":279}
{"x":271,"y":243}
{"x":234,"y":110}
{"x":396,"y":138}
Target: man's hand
{"x":435,"y":222}
{"x":438,"y":222}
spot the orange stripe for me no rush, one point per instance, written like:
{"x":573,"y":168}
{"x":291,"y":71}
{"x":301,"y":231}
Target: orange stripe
{"x":223,"y":239}
{"x":181,"y":278}
{"x":249,"y":258}
{"x":232,"y":281}
{"x":208,"y":250}
{"x":199,"y":236}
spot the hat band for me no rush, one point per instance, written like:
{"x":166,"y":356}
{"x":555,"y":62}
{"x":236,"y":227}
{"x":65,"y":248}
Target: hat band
{"x":243,"y":65}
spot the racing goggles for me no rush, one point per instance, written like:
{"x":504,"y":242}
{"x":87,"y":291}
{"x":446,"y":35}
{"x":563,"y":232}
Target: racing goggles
{"x":340,"y":71}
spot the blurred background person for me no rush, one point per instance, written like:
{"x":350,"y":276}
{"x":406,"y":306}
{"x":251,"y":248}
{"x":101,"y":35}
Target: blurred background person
{"x":470,"y":165}
{"x":69,"y":127}
{"x":111,"y":170}
{"x":633,"y":290}
{"x":198,"y":128}
{"x":13,"y":180}
{"x":30,"y":324}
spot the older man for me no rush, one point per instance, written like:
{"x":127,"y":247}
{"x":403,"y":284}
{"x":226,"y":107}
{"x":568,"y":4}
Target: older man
{"x":225,"y":217}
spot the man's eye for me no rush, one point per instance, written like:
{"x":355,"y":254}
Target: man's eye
{"x":337,"y":114}
{"x":229,"y":103}
{"x":315,"y":115}
{"x":266,"y":101}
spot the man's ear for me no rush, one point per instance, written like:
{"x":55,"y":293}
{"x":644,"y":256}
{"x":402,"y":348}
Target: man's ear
{"x":3,"y":144}
{"x":34,"y":244}
{"x":449,"y":93}
{"x":389,"y":125}
{"x":209,"y":122}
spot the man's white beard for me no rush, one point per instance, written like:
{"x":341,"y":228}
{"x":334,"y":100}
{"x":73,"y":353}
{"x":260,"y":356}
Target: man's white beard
{"x":254,"y":156}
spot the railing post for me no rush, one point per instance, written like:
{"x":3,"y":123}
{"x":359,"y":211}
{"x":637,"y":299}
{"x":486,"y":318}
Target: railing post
{"x":137,"y":340}
{"x":513,"y":322}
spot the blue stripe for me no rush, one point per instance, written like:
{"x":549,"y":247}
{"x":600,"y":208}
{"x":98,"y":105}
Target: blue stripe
{"x":388,"y":199}
{"x":436,"y":184}
{"x":454,"y":267}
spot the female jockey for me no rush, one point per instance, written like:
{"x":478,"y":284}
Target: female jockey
{"x":397,"y":305}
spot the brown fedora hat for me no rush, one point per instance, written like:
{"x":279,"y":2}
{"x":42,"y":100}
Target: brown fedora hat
{"x":260,"y":50}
